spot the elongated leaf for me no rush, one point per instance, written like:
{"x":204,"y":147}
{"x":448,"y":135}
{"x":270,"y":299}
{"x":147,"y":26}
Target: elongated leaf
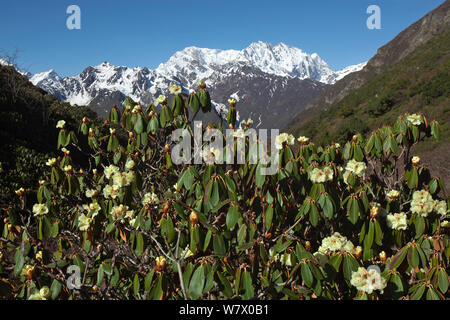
{"x":197,"y":283}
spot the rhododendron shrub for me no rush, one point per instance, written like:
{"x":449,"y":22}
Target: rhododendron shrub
{"x":362,"y":221}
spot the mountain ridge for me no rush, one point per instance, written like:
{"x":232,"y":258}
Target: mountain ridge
{"x":105,"y":84}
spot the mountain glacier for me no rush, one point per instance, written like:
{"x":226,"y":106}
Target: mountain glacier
{"x":268,"y":67}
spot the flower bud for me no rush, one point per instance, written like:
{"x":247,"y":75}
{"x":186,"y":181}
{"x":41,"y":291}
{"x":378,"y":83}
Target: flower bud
{"x":193,"y":217}
{"x":130,"y":135}
{"x":308,"y":246}
{"x":374,"y":211}
{"x":167,"y":148}
{"x":20,"y":192}
{"x":382,"y":256}
{"x":415,"y":160}
{"x":357,"y":251}
{"x":160,"y":263}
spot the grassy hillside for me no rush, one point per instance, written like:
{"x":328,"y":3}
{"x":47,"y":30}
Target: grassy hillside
{"x":28,"y":116}
{"x":418,"y":83}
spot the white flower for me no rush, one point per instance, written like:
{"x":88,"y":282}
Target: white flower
{"x":415,"y":119}
{"x":60,"y":124}
{"x":67,"y":168}
{"x":119,"y":210}
{"x":150,"y":198}
{"x":40,"y":209}
{"x":356,"y":167}
{"x":92,"y":208}
{"x":36,"y":295}
{"x":440,"y":207}
{"x":111,"y":191}
{"x":84,"y":222}
{"x":161,"y":99}
{"x":422,"y":203}
{"x":45,"y":292}
{"x":129,"y":164}
{"x":368,"y":280}
{"x":335,"y":243}
{"x":175,"y":89}
{"x":110,"y":171}
{"x":397,"y":221}
{"x":123,"y":179}
{"x":282,"y":139}
{"x":51,"y":162}
{"x":303,"y":139}
{"x":90,"y":193}
{"x":393,"y":194}
{"x":286,"y":259}
{"x":415,"y":160}
{"x":321,"y":175}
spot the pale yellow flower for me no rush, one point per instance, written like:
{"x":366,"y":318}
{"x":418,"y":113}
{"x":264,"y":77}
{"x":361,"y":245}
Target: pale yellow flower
{"x":415,"y":119}
{"x":40,"y":209}
{"x":161,"y":99}
{"x":175,"y":89}
{"x":60,"y":124}
{"x":397,"y":221}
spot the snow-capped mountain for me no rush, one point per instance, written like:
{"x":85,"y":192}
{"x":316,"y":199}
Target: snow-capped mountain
{"x":263,"y":72}
{"x":280,"y":60}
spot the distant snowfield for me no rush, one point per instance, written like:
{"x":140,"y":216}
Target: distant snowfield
{"x":185,"y":68}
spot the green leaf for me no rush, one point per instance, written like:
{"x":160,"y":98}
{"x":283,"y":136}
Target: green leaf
{"x":227,"y":291}
{"x":197,"y":283}
{"x":55,"y":289}
{"x":418,"y":293}
{"x":139,"y":244}
{"x":219,"y":245}
{"x":419,"y":223}
{"x":269,"y":216}
{"x":443,"y":281}
{"x":335,"y":261}
{"x":306,"y":274}
{"x":350,"y":265}
{"x":397,"y":260}
{"x":232,"y":217}
{"x":247,"y":285}
{"x":313,"y":215}
{"x":19,"y":260}
{"x":100,"y":276}
{"x":136,"y":285}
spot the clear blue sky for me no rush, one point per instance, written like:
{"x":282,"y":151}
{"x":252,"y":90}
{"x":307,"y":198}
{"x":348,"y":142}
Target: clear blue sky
{"x":147,"y":33}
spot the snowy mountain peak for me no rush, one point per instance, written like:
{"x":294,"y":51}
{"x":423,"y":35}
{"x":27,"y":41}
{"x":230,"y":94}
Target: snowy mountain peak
{"x":260,"y":62}
{"x":47,"y":76}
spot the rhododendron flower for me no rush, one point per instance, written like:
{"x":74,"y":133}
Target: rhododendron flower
{"x":356,"y":167}
{"x":40,"y":209}
{"x":415,"y":119}
{"x":368,"y":280}
{"x":161,"y":99}
{"x":397,"y":221}
{"x":283,"y":139}
{"x":60,"y":124}
{"x":175,"y":89}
